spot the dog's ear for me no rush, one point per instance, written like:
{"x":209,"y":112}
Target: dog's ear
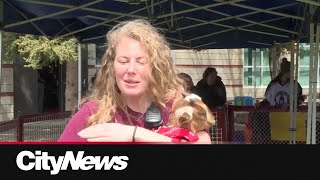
{"x":185,"y":117}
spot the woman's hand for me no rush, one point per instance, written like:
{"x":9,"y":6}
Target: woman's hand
{"x":115,"y":132}
{"x":108,"y":132}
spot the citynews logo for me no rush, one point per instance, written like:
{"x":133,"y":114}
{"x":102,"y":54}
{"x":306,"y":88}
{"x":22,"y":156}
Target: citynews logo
{"x":42,"y":161}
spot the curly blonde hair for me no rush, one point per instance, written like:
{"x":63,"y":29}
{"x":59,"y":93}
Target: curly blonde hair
{"x":163,"y":80}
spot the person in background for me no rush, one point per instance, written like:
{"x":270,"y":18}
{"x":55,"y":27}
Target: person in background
{"x":51,"y":89}
{"x":93,"y":79}
{"x":211,"y":89}
{"x":277,"y":94}
{"x":278,"y":90}
{"x":133,"y":77}
{"x":189,"y":86}
{"x":41,"y":85}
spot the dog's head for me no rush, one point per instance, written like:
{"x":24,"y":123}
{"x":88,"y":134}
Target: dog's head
{"x":191,"y":113}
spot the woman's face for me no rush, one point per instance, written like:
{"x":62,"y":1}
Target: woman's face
{"x":131,"y":67}
{"x":211,"y":79}
{"x":286,"y":76}
{"x":188,"y":82}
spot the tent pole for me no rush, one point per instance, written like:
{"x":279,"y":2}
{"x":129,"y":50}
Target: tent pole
{"x":295,"y":95}
{"x":1,"y":55}
{"x":255,"y":73}
{"x":1,"y":40}
{"x":315,"y":82}
{"x":261,"y":63}
{"x":309,"y":117}
{"x":79,"y":74}
{"x":292,"y":90}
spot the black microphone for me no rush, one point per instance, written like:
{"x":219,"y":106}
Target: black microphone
{"x":153,"y":118}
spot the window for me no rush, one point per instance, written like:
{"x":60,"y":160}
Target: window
{"x":99,"y":54}
{"x":262,"y":75}
{"x":256,"y":71}
{"x":304,"y":66}
{"x":304,"y":69}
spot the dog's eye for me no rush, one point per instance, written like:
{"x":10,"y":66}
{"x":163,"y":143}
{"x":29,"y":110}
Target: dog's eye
{"x":202,"y":114}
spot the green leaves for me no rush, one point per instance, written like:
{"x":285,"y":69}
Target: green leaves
{"x":39,"y":51}
{"x":8,"y":47}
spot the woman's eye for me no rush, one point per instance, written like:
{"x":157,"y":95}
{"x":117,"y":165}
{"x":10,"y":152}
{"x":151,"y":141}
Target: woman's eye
{"x":142,"y":61}
{"x":123,"y":61}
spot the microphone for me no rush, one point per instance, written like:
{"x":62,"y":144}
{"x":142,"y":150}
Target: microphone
{"x":153,"y":118}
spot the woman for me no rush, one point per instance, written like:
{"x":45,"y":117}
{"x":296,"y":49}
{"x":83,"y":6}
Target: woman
{"x":276,"y":94}
{"x":133,"y":76}
{"x":211,"y":89}
{"x":189,"y":86}
{"x":278,"y":90}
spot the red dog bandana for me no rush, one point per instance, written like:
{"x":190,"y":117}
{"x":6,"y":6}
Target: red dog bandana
{"x":177,"y":134}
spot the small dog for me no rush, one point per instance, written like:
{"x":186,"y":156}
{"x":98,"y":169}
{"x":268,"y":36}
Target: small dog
{"x":189,"y":115}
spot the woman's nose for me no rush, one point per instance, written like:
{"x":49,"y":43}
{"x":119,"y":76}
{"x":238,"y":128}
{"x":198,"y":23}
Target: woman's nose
{"x":132,"y":67}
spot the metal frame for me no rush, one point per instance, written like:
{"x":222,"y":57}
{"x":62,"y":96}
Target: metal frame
{"x":310,"y":2}
{"x":1,"y":40}
{"x":51,"y":15}
{"x":172,"y":22}
{"x":79,"y":75}
{"x":22,"y":14}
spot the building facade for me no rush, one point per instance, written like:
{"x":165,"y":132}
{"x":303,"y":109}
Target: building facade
{"x":245,"y":72}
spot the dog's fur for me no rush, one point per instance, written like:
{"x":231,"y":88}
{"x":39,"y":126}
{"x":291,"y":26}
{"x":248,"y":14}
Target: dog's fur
{"x":191,"y":113}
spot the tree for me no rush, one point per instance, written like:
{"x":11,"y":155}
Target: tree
{"x":278,"y":51}
{"x":8,"y":46}
{"x":40,"y":51}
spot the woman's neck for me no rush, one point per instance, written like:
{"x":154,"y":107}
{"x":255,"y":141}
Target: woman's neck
{"x":138,"y":104}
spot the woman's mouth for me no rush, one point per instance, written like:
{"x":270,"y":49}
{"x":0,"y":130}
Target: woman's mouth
{"x":131,"y":81}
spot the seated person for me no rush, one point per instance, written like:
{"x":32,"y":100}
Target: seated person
{"x":211,"y":89}
{"x":189,"y":86}
{"x":276,"y":94}
{"x":278,"y":90}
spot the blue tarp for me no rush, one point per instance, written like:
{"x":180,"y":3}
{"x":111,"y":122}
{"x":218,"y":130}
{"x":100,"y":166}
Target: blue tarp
{"x":198,"y":24}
